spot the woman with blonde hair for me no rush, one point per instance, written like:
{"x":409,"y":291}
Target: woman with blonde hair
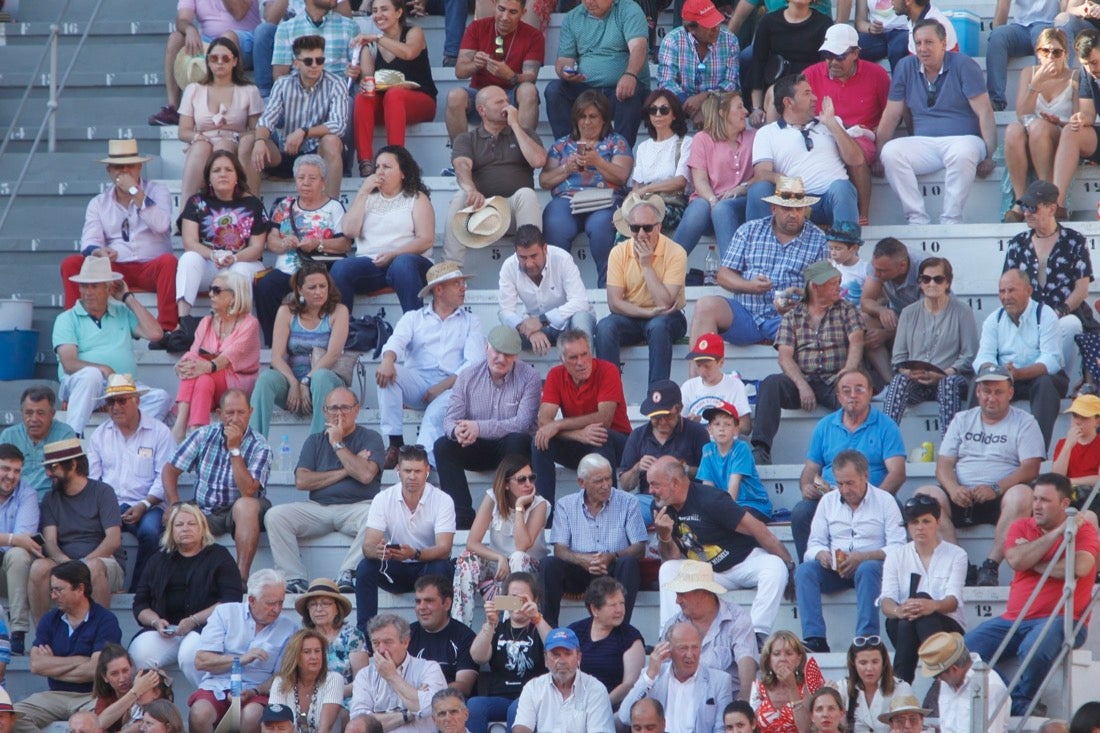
{"x":305,"y":684}
{"x":788,"y":679}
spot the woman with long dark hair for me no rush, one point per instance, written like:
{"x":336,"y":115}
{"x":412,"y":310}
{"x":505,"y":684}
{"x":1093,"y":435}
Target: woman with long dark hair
{"x":870,"y":685}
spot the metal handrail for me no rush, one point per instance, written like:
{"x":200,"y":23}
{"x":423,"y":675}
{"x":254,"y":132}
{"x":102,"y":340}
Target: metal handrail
{"x":49,"y":119}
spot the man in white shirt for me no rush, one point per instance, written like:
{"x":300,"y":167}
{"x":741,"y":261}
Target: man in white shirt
{"x":410,"y":532}
{"x":565,"y":698}
{"x":693,"y":696}
{"x":853,"y":527}
{"x":945,"y":656}
{"x":394,"y":693}
{"x":541,"y":292}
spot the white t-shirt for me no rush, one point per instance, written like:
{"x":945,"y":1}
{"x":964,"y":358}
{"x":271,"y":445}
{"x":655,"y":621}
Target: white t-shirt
{"x":986,"y":454}
{"x":656,"y":161}
{"x":785,"y":147}
{"x":698,"y":396}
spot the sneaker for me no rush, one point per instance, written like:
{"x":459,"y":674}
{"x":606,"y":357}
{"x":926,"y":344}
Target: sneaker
{"x":971,"y":575}
{"x":450,"y":61}
{"x":816,"y":644}
{"x":987,"y":574}
{"x":167,"y":117}
{"x":391,"y":457}
{"x":761,"y":454}
{"x":297,"y":586}
{"x":19,"y":642}
{"x":448,"y":172}
{"x":346,"y":582}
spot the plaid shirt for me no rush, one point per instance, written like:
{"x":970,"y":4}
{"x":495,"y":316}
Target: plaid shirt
{"x":335,"y":29}
{"x":820,"y":350}
{"x":292,"y":106}
{"x":755,"y":250}
{"x":204,"y":452}
{"x":680,"y":71}
{"x":617,"y":526}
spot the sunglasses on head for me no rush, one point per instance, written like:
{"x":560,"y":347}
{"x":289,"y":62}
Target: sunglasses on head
{"x":1054,"y":53}
{"x":218,"y":58}
{"x":647,"y":228}
{"x":918,"y":501}
{"x":938,"y":279}
{"x":661,"y":110}
{"x":864,"y":641}
{"x":311,"y":60}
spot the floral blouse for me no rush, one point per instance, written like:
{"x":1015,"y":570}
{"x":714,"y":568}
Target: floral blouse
{"x":1068,"y":262}
{"x":226,"y":225}
{"x":611,"y":146}
{"x":347,"y":642}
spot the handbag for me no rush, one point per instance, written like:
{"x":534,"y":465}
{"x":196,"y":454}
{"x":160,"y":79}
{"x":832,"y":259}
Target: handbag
{"x":326,"y":258}
{"x":591,"y":199}
{"x":344,"y":366}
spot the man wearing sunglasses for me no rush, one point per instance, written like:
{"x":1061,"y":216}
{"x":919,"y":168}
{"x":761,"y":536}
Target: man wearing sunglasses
{"x":320,"y":18}
{"x":953,"y":129}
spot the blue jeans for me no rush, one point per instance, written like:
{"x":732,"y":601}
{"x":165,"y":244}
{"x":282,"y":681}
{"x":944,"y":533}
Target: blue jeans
{"x":369,"y":578}
{"x":811,"y":580}
{"x":1006,"y":42}
{"x":802,"y":518}
{"x":485,"y":710}
{"x":891,"y":44}
{"x":560,"y":227}
{"x":986,"y":638}
{"x":625,"y":115}
{"x":405,"y":274}
{"x":837,"y":203}
{"x":659,"y":333}
{"x":148,"y":532}
{"x":454,"y":22}
{"x":263,"y":48}
{"x":701,"y":218}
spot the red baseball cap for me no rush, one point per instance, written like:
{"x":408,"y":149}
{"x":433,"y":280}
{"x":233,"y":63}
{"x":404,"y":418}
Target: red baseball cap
{"x":708,"y":346}
{"x":722,"y":407}
{"x":702,"y":12}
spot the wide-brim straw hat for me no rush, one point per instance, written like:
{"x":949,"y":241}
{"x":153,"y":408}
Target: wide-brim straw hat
{"x":441,"y":273}
{"x":477,"y":227}
{"x":791,"y":193}
{"x":121,"y":385}
{"x":62,"y":450}
{"x":188,"y":69}
{"x":901,"y":704}
{"x":694,"y":575}
{"x":621,"y":218}
{"x":95,"y":270}
{"x":940,"y":651}
{"x":124,"y":152}
{"x":322,"y":588}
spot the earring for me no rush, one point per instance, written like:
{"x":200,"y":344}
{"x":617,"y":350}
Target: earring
{"x":301,"y":299}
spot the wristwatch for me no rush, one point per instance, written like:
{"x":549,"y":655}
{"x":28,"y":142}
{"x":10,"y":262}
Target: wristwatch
{"x":338,"y":445}
{"x":305,"y":380}
{"x":235,"y":452}
{"x":544,"y":320}
{"x":416,"y":556}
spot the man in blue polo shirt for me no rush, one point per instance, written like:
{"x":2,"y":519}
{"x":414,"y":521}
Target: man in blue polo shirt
{"x":66,"y":649}
{"x":855,"y":426}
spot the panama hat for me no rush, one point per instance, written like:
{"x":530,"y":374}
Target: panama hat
{"x":477,"y":227}
{"x":62,"y":450}
{"x":940,"y":651}
{"x":96,"y":270}
{"x":188,"y":69}
{"x":124,"y":152}
{"x":693,"y":575}
{"x":621,"y":217}
{"x":900,"y":705}
{"x":441,"y":273}
{"x":791,"y":193}
{"x":121,"y":385}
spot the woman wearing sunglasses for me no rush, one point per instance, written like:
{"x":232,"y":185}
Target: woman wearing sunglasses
{"x":869,"y":686}
{"x":216,"y":111}
{"x":1045,"y":99}
{"x":934,"y":349}
{"x":514,"y":516}
{"x":661,"y":160}
{"x":922,"y":585}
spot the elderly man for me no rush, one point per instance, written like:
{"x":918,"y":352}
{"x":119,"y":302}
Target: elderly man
{"x":541,"y":292}
{"x":128,"y":453}
{"x":603,"y":46}
{"x":341,"y":469}
{"x":39,"y":427}
{"x":199,"y":22}
{"x":816,"y":149}
{"x":1079,"y":138}
{"x":817,"y":340}
{"x":491,"y":414}
{"x":852,"y":529}
{"x":79,"y":520}
{"x":498,"y":158}
{"x":597,"y":531}
{"x":696,"y":522}
{"x":1023,"y":337}
{"x":698,"y":58}
{"x":84,"y":722}
{"x":645,"y":290}
{"x":93,"y":340}
{"x":1014,"y":38}
{"x":501,"y":52}
{"x":589,"y":395}
{"x":667,"y":433}
{"x":686,"y":688}
{"x":855,"y":426}
{"x":395,"y":691}
{"x":19,"y":518}
{"x":765,"y":258}
{"x":130,"y":225}
{"x":952,"y":125}
{"x":892,"y":285}
{"x":434,"y":344}
{"x":945,"y":657}
{"x":436,"y":636}
{"x":410,"y":532}
{"x":905,"y":715}
{"x":252,"y":632}
{"x":1030,"y":547}
{"x":231,"y":463}
{"x":449,"y":711}
{"x":987,"y":457}
{"x":565,"y":698}
{"x":307,"y":112}
{"x":66,"y":649}
{"x":858,"y":87}
{"x":647,"y":715}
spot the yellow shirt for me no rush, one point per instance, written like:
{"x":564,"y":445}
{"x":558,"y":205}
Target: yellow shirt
{"x":624,"y":270}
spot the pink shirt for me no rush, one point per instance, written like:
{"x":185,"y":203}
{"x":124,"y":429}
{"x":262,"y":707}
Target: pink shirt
{"x":727,"y":166}
{"x":214,"y":19}
{"x":246,"y":102}
{"x":241,"y":347}
{"x":146,"y":229}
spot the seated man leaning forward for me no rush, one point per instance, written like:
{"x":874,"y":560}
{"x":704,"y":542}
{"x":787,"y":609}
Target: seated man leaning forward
{"x":765,"y":259}
{"x":252,"y":633}
{"x":66,"y":649}
{"x":231,"y":463}
{"x":988,"y":456}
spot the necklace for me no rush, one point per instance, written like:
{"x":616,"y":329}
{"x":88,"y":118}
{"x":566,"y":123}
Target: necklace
{"x":306,"y":717}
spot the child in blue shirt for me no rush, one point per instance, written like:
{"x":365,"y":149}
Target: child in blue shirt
{"x":727,"y":463}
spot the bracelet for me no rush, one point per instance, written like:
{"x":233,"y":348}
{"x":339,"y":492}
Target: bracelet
{"x":11,"y":539}
{"x":195,"y":620}
{"x":537,"y":620}
{"x":305,"y":132}
{"x":147,"y":504}
{"x":126,"y":295}
{"x":631,"y":73}
{"x":213,"y":366}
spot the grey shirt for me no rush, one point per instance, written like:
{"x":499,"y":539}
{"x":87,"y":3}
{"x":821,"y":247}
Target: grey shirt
{"x":946,"y":339}
{"x":83,"y":519}
{"x":318,"y":455}
{"x":908,"y":292}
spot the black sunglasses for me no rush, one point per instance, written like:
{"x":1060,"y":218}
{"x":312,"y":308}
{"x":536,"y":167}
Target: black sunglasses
{"x":216,"y":290}
{"x":661,"y":110}
{"x":647,"y":228}
{"x":933,"y":92}
{"x":527,"y":478}
{"x":791,"y":195}
{"x":126,"y":230}
{"x":830,"y":56}
{"x":920,"y":500}
{"x":311,"y":60}
{"x":938,"y":279}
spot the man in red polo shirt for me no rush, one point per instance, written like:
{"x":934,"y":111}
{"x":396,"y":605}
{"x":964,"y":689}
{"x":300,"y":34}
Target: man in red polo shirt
{"x":588,"y":392}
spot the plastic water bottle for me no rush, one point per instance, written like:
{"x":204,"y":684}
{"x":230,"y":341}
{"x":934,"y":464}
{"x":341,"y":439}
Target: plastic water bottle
{"x":235,"y":678}
{"x":710,"y":267}
{"x":283,"y":462}
{"x":855,"y":291}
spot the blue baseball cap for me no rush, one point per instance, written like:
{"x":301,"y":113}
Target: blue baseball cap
{"x":562,"y":638}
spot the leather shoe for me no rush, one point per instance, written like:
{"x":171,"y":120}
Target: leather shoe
{"x":391,"y":458}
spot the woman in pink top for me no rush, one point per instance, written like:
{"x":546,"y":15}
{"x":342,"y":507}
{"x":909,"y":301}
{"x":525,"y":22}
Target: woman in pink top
{"x":721,"y":171}
{"x":225,"y":354}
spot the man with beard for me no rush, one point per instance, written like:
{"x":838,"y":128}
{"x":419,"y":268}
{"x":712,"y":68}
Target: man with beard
{"x":565,"y":698}
{"x":19,"y":522}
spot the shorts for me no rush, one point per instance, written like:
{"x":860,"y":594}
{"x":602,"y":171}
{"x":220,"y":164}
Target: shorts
{"x":221,"y":707}
{"x":471,"y":107}
{"x":986,"y":512}
{"x":868,"y":147}
{"x":1095,"y":157}
{"x":220,"y":518}
{"x":744,"y":331}
{"x":116,"y":574}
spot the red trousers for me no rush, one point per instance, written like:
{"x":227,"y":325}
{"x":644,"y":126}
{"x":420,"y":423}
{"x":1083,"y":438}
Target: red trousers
{"x":157,"y":276}
{"x":203,"y":394}
{"x":394,"y":108}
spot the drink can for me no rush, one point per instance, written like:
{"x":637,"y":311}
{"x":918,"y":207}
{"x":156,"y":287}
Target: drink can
{"x":367,"y":86}
{"x":927,"y":452}
{"x":841,"y":556}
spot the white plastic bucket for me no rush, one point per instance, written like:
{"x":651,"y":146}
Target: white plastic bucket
{"x":15,"y":314}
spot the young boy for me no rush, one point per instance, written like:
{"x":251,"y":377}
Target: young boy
{"x":727,"y":462}
{"x":712,"y":386}
{"x":844,"y":242}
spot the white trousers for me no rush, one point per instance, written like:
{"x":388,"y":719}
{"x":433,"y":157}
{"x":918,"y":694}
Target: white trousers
{"x":287,"y":523}
{"x":194,"y":273}
{"x":1068,"y":327}
{"x":408,"y":389}
{"x":151,"y":649}
{"x":84,"y":387}
{"x":905,"y":158}
{"x":524,"y":204}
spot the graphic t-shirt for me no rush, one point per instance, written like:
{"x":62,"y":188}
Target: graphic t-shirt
{"x":705,"y":528}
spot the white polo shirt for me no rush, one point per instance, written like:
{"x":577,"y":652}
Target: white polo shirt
{"x":434,"y":514}
{"x":543,"y":709}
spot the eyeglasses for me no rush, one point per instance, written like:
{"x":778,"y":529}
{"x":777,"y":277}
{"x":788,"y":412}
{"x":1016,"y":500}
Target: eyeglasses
{"x":217,"y":58}
{"x":938,"y":279}
{"x":311,"y":60}
{"x":829,"y":56}
{"x":112,"y":401}
{"x":660,"y":110}
{"x":527,"y":478}
{"x":216,"y":290}
{"x":1054,"y":53}
{"x":863,"y":641}
{"x":920,"y":500}
{"x":647,"y":228}
{"x":339,"y":408}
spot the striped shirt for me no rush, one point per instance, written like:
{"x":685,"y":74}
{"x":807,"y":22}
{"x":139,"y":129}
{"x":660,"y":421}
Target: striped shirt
{"x":204,"y":453}
{"x":498,"y":409}
{"x":680,"y":71}
{"x":617,"y":526}
{"x":292,"y":106}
